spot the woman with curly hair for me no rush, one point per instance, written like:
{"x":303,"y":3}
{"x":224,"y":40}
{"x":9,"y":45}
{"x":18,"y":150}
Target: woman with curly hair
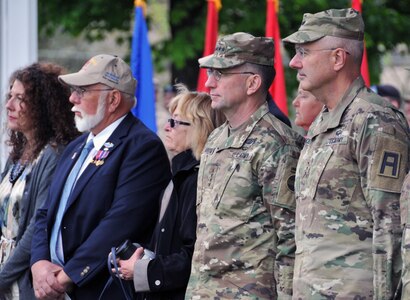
{"x":40,"y":123}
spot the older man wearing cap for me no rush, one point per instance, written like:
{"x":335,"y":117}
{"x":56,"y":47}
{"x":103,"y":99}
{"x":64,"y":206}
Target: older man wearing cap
{"x":245,"y":241}
{"x":100,"y":198}
{"x":350,"y":171}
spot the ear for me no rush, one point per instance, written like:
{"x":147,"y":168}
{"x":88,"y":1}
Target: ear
{"x":253,"y":83}
{"x":339,"y":57}
{"x":114,"y":100}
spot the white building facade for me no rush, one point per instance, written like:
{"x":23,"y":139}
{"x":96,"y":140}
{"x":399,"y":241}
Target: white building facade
{"x":18,"y":48}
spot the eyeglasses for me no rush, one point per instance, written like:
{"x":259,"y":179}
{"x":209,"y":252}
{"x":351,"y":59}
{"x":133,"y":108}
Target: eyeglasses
{"x":218,"y":74}
{"x":173,"y":123}
{"x":302,"y":52}
{"x":80,"y":90}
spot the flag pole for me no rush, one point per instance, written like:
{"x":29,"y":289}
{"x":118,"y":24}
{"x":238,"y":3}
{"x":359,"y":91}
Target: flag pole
{"x":142,"y":68}
{"x":278,"y":87}
{"x":364,"y":69}
{"x":211,"y":37}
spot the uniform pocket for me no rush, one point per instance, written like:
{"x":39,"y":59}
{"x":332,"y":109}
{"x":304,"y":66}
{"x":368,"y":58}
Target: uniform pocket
{"x":310,"y":175}
{"x":283,"y":186}
{"x":330,"y":180}
{"x":236,"y":194}
{"x":223,"y":184}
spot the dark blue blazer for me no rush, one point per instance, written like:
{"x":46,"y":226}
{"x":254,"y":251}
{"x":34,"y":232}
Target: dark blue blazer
{"x":111,"y":202}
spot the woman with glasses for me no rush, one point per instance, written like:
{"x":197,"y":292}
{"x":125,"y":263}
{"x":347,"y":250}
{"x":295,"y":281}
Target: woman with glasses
{"x":40,"y":123}
{"x":166,"y":276}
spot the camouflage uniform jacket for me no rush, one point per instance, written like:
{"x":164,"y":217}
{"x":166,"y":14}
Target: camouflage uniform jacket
{"x":245,"y":205}
{"x":348,"y":182}
{"x":405,"y":249}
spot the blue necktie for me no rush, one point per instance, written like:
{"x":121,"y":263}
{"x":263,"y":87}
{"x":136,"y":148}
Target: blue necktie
{"x":56,"y":250}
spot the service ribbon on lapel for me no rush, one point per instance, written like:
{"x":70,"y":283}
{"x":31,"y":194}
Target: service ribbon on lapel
{"x":102,"y":154}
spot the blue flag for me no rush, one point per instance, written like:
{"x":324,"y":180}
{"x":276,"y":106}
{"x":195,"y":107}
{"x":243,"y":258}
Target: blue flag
{"x":141,"y":66}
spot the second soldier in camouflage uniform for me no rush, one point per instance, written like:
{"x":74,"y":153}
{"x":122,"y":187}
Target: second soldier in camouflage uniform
{"x":405,"y":247}
{"x":245,"y":235}
{"x":350,"y":172}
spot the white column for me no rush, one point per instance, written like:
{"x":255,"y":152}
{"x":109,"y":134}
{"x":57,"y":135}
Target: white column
{"x":18,"y":48}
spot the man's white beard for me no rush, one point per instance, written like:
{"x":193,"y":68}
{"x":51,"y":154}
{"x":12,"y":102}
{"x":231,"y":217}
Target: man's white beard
{"x":87,"y":122}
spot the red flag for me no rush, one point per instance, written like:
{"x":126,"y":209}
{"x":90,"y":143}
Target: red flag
{"x":211,"y":36}
{"x":278,"y":87}
{"x":357,"y":5}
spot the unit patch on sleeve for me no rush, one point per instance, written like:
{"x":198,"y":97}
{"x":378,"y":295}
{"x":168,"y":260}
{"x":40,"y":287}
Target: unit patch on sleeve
{"x":387,"y":170}
{"x":389,"y":164}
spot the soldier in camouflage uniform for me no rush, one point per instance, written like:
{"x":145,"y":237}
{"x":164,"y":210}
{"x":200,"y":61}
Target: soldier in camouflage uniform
{"x":405,"y":247}
{"x":245,"y":204}
{"x":351,"y":169}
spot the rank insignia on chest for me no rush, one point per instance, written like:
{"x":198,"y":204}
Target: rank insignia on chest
{"x":250,"y":141}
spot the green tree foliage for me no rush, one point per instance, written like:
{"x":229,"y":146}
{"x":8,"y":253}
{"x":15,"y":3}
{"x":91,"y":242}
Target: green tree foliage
{"x":93,"y":18}
{"x":387,"y":24}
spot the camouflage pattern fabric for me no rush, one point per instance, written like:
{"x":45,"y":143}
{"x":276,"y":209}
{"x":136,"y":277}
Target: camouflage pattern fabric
{"x":405,"y":249}
{"x":348,"y":182}
{"x":343,"y":23}
{"x":239,"y":48}
{"x":245,"y":206}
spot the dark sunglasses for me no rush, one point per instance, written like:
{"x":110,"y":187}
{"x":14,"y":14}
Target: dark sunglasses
{"x":173,"y":122}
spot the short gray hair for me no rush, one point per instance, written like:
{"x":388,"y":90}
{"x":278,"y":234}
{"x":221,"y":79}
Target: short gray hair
{"x":354,"y":47}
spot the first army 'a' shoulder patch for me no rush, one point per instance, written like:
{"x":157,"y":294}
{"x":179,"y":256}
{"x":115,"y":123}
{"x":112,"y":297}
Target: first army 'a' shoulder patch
{"x":389,"y":164}
{"x":388,"y":167}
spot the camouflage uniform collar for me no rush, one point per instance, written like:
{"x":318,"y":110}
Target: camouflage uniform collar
{"x":347,"y":98}
{"x":239,"y":137}
{"x":331,"y":119}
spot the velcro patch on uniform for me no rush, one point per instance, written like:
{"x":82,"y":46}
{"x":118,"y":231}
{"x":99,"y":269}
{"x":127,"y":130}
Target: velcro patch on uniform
{"x":389,"y":164}
{"x":286,"y":185}
{"x":291,"y":182}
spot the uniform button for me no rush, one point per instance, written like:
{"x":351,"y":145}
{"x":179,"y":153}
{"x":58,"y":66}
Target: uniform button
{"x":82,"y":274}
{"x":162,"y":229}
{"x":65,"y":227}
{"x":157,"y":282}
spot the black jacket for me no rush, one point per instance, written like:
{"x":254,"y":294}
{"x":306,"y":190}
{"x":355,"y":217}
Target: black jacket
{"x":175,"y":235}
{"x":274,"y":110}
